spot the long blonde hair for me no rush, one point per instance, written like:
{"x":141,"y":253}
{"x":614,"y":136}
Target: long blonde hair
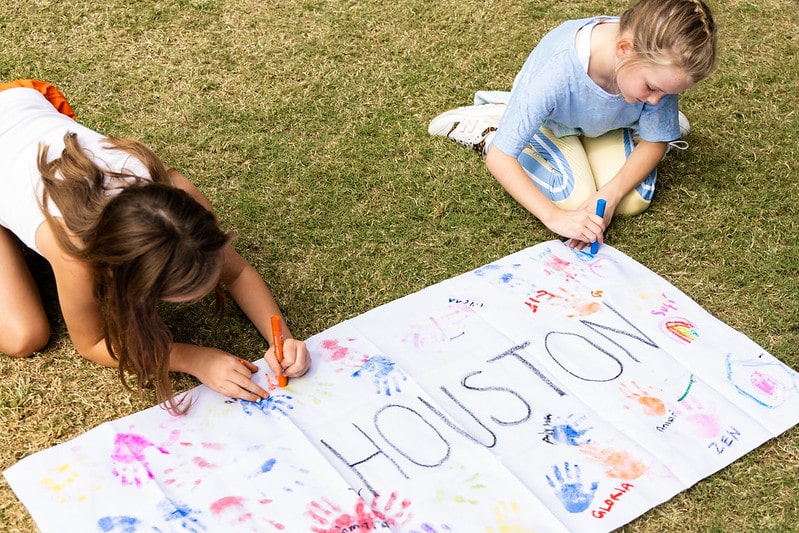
{"x":678,"y":32}
{"x":148,"y":242}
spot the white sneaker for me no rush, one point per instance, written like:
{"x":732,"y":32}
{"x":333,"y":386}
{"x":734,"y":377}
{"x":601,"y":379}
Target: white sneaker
{"x":685,"y":129}
{"x":469,"y":125}
{"x":685,"y":126}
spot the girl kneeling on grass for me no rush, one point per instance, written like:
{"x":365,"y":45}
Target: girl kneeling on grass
{"x":121,"y":232}
{"x":591,"y":114}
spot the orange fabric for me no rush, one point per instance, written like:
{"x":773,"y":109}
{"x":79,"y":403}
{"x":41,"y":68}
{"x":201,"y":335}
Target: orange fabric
{"x":49,"y":91}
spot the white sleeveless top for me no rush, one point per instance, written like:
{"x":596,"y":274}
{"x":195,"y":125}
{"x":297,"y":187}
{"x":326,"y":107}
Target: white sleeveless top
{"x":28,"y":120}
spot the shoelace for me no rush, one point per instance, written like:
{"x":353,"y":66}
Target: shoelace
{"x":679,"y":144}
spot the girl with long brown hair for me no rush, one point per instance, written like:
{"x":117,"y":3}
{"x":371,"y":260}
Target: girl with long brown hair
{"x":122,"y":232}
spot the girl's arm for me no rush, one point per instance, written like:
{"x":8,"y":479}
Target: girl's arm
{"x":75,"y":283}
{"x":642,"y":161}
{"x":253,"y":296}
{"x":581,"y":224}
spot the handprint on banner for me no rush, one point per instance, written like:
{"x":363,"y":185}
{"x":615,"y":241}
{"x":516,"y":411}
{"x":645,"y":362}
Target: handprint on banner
{"x":567,"y":431}
{"x":651,"y":405}
{"x":394,"y":512}
{"x":60,"y":479}
{"x":619,"y":464}
{"x":278,"y":404}
{"x":440,"y":328}
{"x":124,"y":524}
{"x":385,"y":374}
{"x":330,"y":518}
{"x":703,"y":423}
{"x":506,"y":277}
{"x":568,"y":487}
{"x":509,"y":519}
{"x":130,"y":463}
{"x":183,"y":516}
{"x":340,"y":357}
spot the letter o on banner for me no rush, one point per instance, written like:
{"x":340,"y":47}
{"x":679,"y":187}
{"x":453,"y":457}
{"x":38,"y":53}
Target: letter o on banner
{"x":582,"y":358}
{"x":411,"y":435}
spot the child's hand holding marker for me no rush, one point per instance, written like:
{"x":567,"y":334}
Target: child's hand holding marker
{"x":598,"y":219}
{"x":287,"y":357}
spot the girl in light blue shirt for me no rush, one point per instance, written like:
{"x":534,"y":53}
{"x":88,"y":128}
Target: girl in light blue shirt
{"x":591,"y":114}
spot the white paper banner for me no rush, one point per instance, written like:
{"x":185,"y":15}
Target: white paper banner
{"x":553,"y":390}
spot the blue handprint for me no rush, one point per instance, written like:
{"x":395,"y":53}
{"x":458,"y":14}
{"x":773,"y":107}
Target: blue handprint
{"x":568,"y":431}
{"x":277,"y":404}
{"x":124,"y":524}
{"x":386,"y":374}
{"x":570,"y":488}
{"x":182,"y":514}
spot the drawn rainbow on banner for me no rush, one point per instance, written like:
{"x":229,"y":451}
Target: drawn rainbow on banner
{"x":682,"y":329}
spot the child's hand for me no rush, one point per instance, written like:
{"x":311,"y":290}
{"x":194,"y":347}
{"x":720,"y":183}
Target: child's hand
{"x":228,"y":375}
{"x":581,"y":226}
{"x":589,"y":207}
{"x":296,"y":359}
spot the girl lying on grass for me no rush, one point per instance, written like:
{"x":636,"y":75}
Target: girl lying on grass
{"x":121,"y":232}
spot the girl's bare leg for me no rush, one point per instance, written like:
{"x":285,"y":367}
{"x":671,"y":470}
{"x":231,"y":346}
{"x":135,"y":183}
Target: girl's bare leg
{"x":23,"y":327}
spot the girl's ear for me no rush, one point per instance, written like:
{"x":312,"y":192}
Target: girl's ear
{"x":624,"y":48}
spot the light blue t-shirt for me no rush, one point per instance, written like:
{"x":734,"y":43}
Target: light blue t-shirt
{"x":553,"y":90}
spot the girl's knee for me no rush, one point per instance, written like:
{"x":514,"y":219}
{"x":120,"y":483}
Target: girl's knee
{"x":632,"y":204}
{"x":25,"y":341}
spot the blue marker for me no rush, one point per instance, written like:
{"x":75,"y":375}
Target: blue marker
{"x":600,"y":212}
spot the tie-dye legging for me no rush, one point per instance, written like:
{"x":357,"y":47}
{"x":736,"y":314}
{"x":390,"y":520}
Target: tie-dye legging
{"x":570,"y":169}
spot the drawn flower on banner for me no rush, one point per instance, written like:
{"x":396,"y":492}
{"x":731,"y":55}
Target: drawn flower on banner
{"x":386,"y":375}
{"x":568,"y":486}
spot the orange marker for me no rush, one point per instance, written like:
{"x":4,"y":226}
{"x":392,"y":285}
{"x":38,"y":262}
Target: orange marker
{"x":277,"y":342}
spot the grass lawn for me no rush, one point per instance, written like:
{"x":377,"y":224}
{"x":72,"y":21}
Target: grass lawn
{"x":305,"y":123}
